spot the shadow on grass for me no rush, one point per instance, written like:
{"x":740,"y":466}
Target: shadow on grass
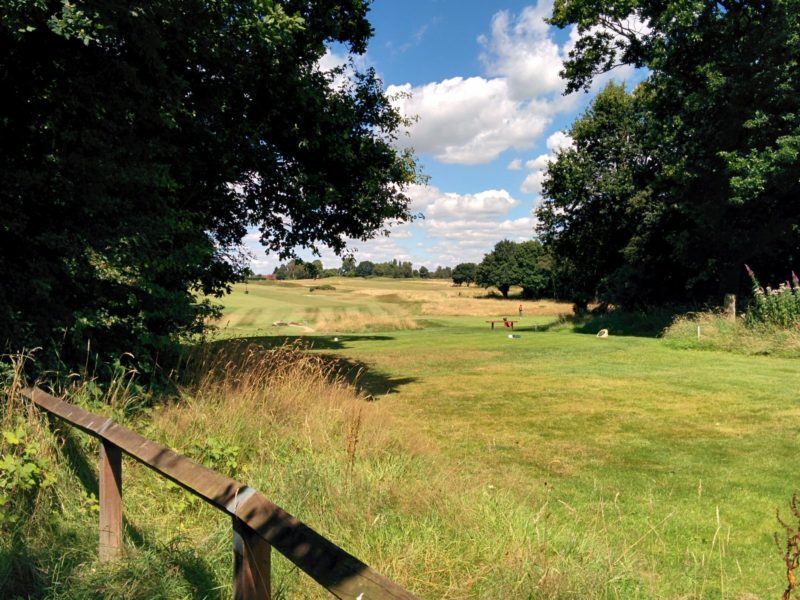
{"x":25,"y":566}
{"x":315,"y":342}
{"x":649,"y":323}
{"x":361,"y":375}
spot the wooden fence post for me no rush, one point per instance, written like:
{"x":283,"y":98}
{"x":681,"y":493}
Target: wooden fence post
{"x":729,"y":306}
{"x":110,"y":501}
{"x":251,"y":564}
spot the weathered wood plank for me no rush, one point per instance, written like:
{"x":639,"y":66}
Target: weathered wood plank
{"x":340,"y":573}
{"x":110,"y":501}
{"x":251,"y":564}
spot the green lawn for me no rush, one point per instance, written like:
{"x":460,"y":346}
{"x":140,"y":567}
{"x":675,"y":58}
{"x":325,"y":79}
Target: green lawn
{"x":659,"y":467}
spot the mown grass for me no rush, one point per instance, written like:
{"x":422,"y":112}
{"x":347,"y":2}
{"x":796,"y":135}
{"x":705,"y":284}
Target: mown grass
{"x":552,"y":465}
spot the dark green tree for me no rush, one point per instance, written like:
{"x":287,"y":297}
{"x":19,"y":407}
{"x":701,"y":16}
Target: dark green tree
{"x":365,"y":269}
{"x":723,"y":132}
{"x":464,"y":273}
{"x":531,"y":273}
{"x":594,"y":195}
{"x":499,"y":268}
{"x":424,"y":273}
{"x":140,"y":141}
{"x":442,"y":272}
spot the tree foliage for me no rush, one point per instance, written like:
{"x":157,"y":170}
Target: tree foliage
{"x":510,"y":263}
{"x":140,"y":141}
{"x":719,"y":141}
{"x":464,"y":273}
{"x":594,"y":196}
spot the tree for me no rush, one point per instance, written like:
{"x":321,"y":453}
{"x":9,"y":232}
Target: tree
{"x":464,"y":273}
{"x":365,"y":269}
{"x":348,"y":267}
{"x":498,"y":268}
{"x":594,"y":196}
{"x":442,"y":273}
{"x":140,"y":142}
{"x":723,"y":136}
{"x":424,"y":273}
{"x":315,"y":269}
{"x":531,"y":273}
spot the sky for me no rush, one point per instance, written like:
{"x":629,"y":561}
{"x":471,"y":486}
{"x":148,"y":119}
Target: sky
{"x":481,"y":80}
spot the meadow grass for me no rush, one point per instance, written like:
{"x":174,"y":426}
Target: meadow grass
{"x":714,"y":331}
{"x":464,"y":464}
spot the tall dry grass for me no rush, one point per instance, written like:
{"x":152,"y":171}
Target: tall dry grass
{"x":357,"y":322}
{"x":715,"y":331}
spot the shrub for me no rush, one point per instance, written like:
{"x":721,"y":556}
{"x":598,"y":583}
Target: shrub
{"x":324,"y":288}
{"x":779,"y":307}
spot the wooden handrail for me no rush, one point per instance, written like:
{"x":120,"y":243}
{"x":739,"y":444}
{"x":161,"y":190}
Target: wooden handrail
{"x":258,"y":523}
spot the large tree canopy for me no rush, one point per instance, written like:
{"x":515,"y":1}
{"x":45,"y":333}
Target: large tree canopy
{"x":141,"y":140}
{"x":720,"y":128}
{"x":511,"y":263}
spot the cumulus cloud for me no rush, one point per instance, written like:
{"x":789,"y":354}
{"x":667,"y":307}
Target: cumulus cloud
{"x":471,"y":120}
{"x":463,"y":227}
{"x":331,"y":60}
{"x":522,"y":51}
{"x":515,"y":165}
{"x":559,"y":141}
{"x":468,"y":120}
{"x":434,"y":203}
{"x":556,"y":143}
{"x":349,"y":63}
{"x":533,"y":182}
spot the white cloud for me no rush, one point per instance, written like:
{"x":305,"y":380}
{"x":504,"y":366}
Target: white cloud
{"x":457,"y":228}
{"x":471,"y":120}
{"x":331,"y":61}
{"x":434,"y":203}
{"x":522,"y":51}
{"x":556,"y":143}
{"x":350,"y":63}
{"x":540,"y":162}
{"x":559,"y":141}
{"x":533,"y":182}
{"x":515,"y":165}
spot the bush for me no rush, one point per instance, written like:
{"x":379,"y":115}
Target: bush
{"x":323,"y":288}
{"x":778,"y":307}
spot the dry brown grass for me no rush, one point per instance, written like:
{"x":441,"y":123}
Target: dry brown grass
{"x":356,"y":322}
{"x":450,"y":301}
{"x":244,"y":389}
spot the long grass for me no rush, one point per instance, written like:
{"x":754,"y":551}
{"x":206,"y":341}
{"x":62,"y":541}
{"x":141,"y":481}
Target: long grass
{"x":285,"y":422}
{"x":715,"y":331}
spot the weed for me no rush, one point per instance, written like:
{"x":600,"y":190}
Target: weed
{"x":776,"y":307}
{"x":353,"y":430}
{"x":791,"y":548}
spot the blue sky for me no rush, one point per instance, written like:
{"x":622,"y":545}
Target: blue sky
{"x":481,"y":79}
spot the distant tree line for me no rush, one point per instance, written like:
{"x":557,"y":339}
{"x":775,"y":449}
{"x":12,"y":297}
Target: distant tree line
{"x":299,"y":269}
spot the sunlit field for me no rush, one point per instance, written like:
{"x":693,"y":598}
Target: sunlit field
{"x":617,"y":467}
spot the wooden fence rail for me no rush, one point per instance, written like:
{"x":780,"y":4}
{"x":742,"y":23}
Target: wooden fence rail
{"x":258,"y":523}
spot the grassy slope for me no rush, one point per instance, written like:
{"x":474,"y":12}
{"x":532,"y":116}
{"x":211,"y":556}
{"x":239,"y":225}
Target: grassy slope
{"x":553,"y":465}
{"x":674,"y":459}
